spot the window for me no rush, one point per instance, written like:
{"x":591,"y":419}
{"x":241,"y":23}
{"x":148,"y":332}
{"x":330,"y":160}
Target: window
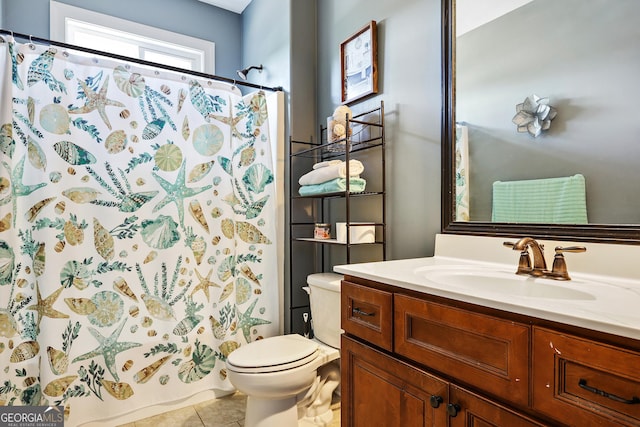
{"x":93,"y":30}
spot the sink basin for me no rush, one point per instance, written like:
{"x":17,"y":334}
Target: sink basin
{"x":476,"y":278}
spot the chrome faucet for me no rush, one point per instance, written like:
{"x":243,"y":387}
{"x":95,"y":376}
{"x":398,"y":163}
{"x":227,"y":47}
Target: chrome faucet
{"x":539,"y":268}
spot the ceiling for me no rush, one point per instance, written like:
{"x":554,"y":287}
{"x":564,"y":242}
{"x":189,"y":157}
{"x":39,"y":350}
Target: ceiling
{"x":476,"y":13}
{"x":471,"y":14}
{"x":236,"y":6}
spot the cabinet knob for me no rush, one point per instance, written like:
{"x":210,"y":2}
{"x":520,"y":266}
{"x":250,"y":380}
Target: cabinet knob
{"x":453,"y":409}
{"x":435,"y":401}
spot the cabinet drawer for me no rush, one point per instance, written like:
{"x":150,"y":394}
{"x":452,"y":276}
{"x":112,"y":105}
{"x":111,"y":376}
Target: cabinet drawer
{"x":367,"y":313}
{"x":487,"y":352}
{"x":581,"y":382}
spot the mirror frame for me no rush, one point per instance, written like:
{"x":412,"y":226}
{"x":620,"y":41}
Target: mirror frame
{"x":601,"y":233}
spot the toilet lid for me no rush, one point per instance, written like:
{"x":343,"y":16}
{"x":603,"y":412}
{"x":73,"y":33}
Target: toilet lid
{"x":273,"y":354}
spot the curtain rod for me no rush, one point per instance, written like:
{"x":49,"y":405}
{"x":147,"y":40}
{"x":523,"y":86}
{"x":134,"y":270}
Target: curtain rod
{"x":138,"y":61}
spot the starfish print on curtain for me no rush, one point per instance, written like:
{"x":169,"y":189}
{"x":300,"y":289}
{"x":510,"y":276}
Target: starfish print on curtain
{"x":44,"y":307}
{"x":96,"y":101}
{"x":109,"y":348}
{"x":176,"y":192}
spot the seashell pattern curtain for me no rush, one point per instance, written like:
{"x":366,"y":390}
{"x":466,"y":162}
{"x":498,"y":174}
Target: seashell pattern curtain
{"x":137,"y":232}
{"x":462,"y":173}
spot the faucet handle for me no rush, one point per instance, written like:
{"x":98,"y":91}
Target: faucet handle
{"x":524,"y":263}
{"x":559,"y":269}
{"x":560,"y":249}
{"x":512,"y":244}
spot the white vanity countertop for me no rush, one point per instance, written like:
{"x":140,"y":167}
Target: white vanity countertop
{"x":606,"y":280}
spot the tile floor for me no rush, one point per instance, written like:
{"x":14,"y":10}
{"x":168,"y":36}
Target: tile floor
{"x":224,"y":412}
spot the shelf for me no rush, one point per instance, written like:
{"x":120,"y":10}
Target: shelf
{"x":328,"y":153}
{"x":308,"y":255}
{"x":340,"y":194}
{"x":351,"y":224}
{"x":365,"y":134}
{"x":332,"y":241}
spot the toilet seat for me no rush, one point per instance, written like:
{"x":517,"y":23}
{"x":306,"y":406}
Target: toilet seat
{"x":273,"y":354}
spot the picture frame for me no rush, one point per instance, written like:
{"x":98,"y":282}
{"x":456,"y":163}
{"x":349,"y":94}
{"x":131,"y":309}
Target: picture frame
{"x":359,"y":64}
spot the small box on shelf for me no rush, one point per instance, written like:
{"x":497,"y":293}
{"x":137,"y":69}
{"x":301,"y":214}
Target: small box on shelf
{"x":358,"y":232}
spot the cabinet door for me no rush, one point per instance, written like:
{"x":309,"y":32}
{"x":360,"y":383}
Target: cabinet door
{"x":367,"y":313}
{"x":470,"y":410}
{"x":378,"y":390}
{"x":582,"y":382}
{"x":484,"y":351}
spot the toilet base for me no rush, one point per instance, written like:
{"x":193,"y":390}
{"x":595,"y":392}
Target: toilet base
{"x":318,"y":420}
{"x":281,"y":398}
{"x":314,"y":409}
{"x":311,"y":408}
{"x":271,"y":412}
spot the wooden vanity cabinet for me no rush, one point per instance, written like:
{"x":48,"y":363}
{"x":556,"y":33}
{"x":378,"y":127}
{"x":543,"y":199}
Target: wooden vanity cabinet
{"x":411,"y":359}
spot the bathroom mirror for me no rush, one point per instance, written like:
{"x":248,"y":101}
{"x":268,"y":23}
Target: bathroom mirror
{"x":549,"y":48}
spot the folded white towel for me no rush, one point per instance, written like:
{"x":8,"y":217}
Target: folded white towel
{"x":329,"y":172}
{"x":327,"y":163}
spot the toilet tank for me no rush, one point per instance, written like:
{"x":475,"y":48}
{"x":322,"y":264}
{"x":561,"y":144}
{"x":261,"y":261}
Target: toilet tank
{"x":324,"y":298}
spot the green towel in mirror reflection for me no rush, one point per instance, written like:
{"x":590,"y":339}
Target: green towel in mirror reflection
{"x":548,"y":200}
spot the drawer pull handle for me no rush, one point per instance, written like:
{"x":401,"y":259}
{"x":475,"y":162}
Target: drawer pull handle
{"x":453,"y":409}
{"x":583,"y":384}
{"x":361,"y":312}
{"x":435,"y":401}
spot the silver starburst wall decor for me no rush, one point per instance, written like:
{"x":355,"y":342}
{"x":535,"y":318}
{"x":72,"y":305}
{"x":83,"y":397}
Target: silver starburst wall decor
{"x":534,"y":115}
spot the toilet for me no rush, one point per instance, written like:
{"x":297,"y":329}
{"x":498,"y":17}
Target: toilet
{"x":290,"y":380}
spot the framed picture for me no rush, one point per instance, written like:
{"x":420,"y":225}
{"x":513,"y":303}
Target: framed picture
{"x":359,"y":64}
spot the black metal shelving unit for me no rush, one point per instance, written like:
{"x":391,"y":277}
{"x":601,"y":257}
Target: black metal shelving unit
{"x":367,"y":134}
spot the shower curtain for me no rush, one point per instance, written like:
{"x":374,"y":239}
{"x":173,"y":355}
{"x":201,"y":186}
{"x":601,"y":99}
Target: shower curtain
{"x":462,"y":173}
{"x":137,"y":232}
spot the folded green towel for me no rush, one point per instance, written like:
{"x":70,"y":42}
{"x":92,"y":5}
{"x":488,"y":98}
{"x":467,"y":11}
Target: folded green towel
{"x":547,"y":201}
{"x":356,"y":185}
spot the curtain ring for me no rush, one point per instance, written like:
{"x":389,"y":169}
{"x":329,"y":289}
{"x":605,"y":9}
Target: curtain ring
{"x":31,"y":45}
